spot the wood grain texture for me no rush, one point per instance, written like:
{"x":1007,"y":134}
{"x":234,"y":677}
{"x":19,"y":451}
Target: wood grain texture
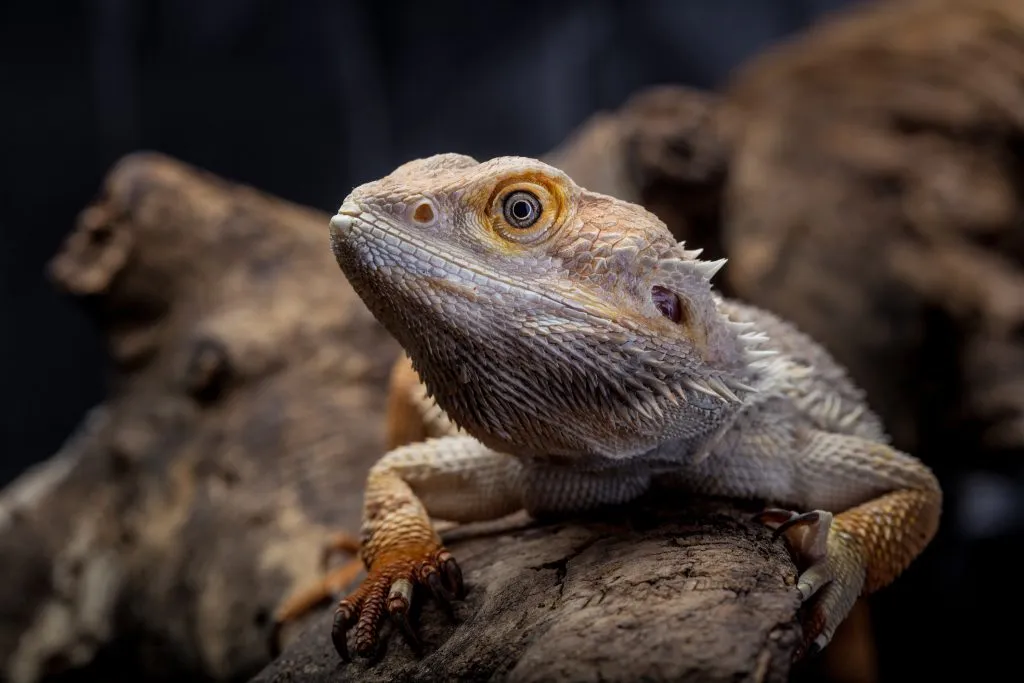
{"x":687,"y":593}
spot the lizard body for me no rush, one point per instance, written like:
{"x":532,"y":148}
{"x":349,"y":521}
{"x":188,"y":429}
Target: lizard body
{"x":578,"y":355}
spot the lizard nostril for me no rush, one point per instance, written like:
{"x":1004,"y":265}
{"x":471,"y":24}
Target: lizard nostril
{"x":423,"y":212}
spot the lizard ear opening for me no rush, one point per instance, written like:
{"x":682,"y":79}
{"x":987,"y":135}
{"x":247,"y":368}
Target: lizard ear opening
{"x":668,"y":303}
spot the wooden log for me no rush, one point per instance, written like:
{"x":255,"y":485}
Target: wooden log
{"x":246,"y":383}
{"x":658,"y":592}
{"x":874,"y":198}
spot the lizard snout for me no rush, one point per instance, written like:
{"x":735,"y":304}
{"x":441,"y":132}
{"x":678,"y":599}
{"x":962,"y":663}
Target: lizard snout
{"x":341,"y":223}
{"x":345,"y":217}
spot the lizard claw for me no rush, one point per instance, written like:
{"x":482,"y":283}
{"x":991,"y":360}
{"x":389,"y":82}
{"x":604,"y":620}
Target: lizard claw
{"x":832,"y":568}
{"x":344,"y":618}
{"x":453,"y":573}
{"x":440,"y":591}
{"x":388,"y":587}
{"x":806,"y":533}
{"x":445,"y":580}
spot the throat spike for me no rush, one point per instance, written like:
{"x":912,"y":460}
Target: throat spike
{"x":723,"y":390}
{"x":700,"y":387}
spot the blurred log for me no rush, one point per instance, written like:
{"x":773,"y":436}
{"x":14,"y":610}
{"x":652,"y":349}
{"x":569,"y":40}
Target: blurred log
{"x":246,"y":383}
{"x":875,"y":198}
{"x":246,"y":405}
{"x":660,"y":149}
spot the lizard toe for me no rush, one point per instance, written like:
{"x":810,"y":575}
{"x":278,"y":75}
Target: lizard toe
{"x":399,"y":603}
{"x":830,"y":588}
{"x":832,"y":570}
{"x":370,"y":613}
{"x":806,"y":533}
{"x":389,"y":587}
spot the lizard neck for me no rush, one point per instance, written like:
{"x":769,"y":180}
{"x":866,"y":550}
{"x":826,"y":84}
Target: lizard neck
{"x":590,"y":394}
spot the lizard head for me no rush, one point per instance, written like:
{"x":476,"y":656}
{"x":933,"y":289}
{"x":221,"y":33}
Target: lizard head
{"x":546,"y":320}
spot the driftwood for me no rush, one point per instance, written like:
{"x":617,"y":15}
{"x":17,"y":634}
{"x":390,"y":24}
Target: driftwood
{"x":246,"y":405}
{"x":669,"y":595}
{"x":247,"y":379}
{"x":874,"y":198}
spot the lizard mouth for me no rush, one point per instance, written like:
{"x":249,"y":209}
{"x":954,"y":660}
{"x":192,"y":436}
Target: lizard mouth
{"x":372,"y":238}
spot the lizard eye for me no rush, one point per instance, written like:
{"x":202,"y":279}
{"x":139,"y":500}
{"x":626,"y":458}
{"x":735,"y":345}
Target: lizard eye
{"x":522,"y":209}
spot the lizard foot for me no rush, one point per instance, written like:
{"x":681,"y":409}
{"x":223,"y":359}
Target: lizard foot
{"x":306,"y":598}
{"x":832,"y":569}
{"x":389,"y":586}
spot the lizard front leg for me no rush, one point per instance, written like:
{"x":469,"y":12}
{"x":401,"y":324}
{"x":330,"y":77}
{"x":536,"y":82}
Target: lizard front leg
{"x":411,"y":417}
{"x":888,"y":506}
{"x":455,"y":478}
{"x":869,"y":511}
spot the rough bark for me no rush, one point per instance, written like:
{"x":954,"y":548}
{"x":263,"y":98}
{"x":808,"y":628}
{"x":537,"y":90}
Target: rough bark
{"x":675,"y":595}
{"x":246,"y":405}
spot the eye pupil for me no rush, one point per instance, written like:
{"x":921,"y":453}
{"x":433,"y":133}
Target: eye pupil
{"x":522,"y":209}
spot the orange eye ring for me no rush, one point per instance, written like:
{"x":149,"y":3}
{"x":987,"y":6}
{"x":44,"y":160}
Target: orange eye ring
{"x":523,"y":211}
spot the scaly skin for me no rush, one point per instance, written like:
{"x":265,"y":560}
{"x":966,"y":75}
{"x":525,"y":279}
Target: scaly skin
{"x":586,"y":357}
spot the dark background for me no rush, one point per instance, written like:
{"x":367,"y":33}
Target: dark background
{"x":303,"y":99}
{"x":306,"y":99}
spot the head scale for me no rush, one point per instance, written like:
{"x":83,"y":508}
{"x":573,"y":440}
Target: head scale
{"x":546,"y":320}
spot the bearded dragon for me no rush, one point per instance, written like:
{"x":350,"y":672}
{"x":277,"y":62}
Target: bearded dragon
{"x":565,"y":352}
